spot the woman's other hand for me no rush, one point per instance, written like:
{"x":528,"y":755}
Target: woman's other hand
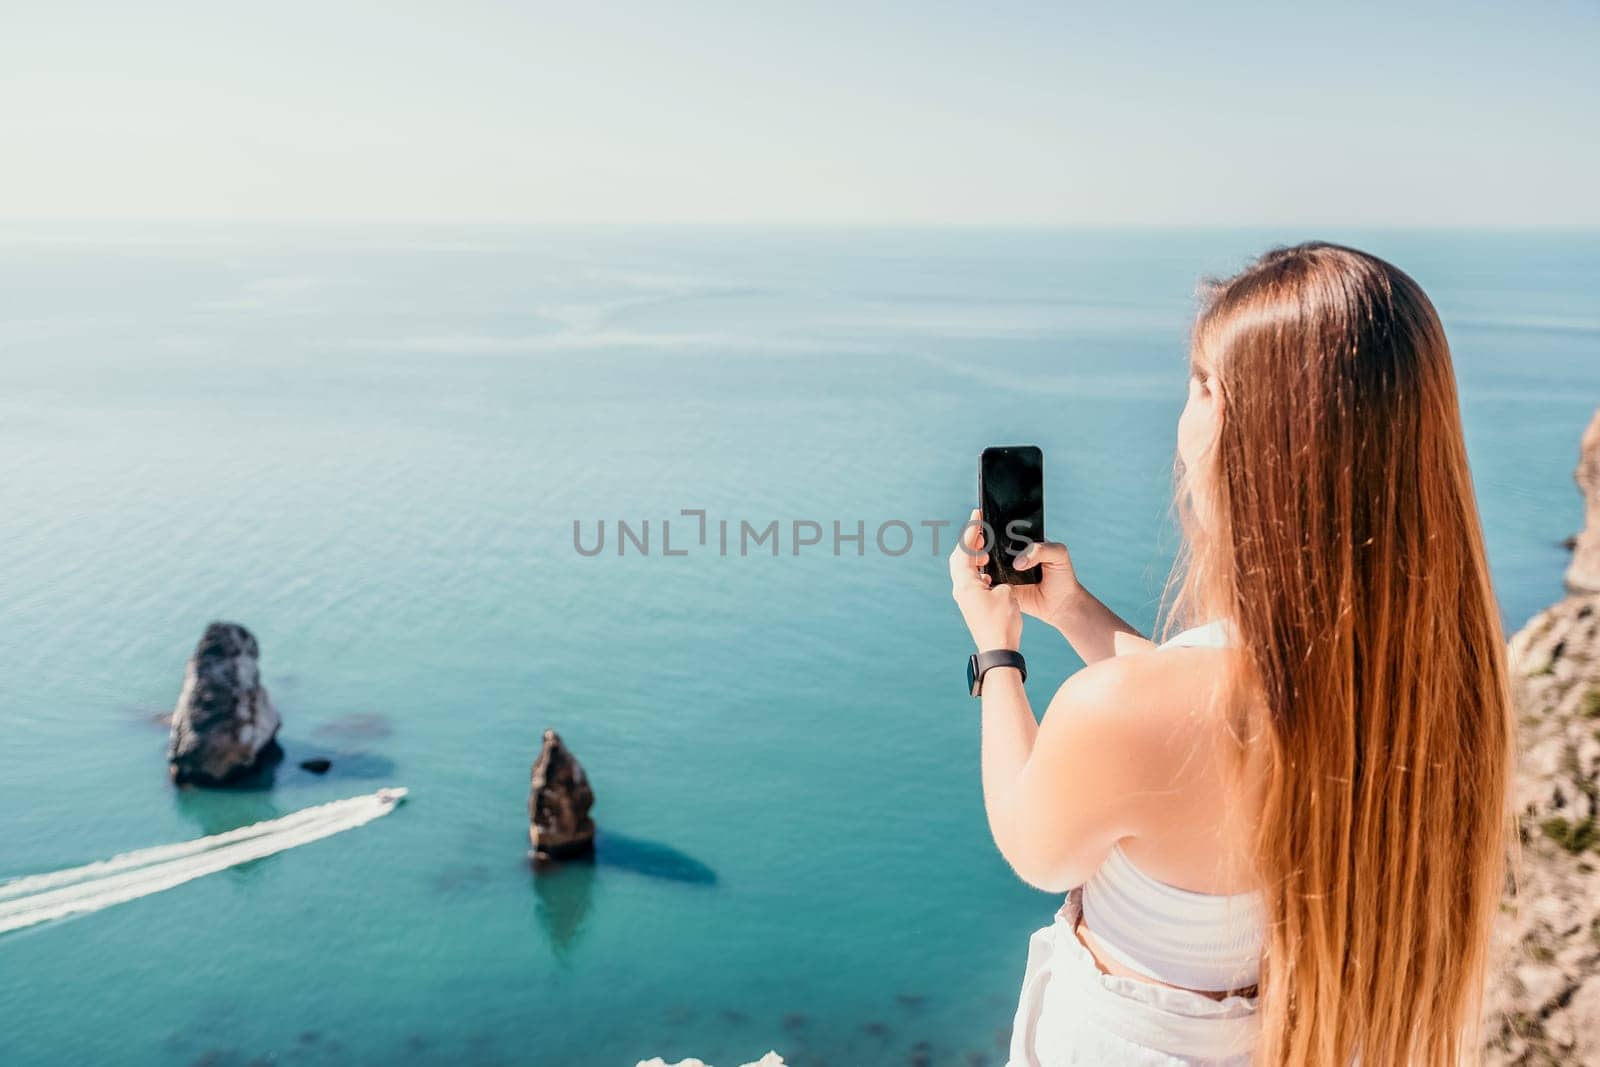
{"x":990,"y":611}
{"x":1058,"y":591}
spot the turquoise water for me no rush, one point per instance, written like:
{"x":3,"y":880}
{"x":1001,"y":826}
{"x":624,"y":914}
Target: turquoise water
{"x":370,"y":446}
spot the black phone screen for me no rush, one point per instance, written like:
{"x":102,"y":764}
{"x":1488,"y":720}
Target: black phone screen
{"x":1011,"y":496}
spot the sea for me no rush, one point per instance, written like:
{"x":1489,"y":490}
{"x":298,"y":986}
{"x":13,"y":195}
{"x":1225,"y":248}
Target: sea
{"x":682,"y":495}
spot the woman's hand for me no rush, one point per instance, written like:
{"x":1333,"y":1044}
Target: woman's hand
{"x":1092,"y":629}
{"x":990,"y":612}
{"x":1058,"y":591}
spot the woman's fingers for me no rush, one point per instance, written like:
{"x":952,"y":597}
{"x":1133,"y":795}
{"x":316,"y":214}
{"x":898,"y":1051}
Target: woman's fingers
{"x":1042,"y":553}
{"x":970,"y":544}
{"x":972,"y":532}
{"x":965,"y":565}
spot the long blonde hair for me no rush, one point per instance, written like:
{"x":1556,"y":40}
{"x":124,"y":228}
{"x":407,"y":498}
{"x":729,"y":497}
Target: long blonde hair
{"x":1341,"y":537}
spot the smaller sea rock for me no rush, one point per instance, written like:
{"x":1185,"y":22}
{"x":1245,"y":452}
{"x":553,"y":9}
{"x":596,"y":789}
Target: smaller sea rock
{"x":224,"y":726}
{"x":559,"y":799}
{"x":317,"y":764}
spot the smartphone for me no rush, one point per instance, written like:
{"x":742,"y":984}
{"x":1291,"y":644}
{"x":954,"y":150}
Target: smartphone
{"x":1011,"y":498}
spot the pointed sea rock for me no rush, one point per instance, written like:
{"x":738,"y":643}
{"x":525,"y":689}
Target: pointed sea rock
{"x":559,"y":799}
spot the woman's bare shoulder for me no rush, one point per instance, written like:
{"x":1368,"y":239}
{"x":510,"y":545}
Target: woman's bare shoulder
{"x":1124,"y":751}
{"x":1153,"y":686}
{"x":1158,"y":707}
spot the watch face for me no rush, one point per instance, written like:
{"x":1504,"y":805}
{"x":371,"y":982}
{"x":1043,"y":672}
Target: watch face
{"x":972,"y":674}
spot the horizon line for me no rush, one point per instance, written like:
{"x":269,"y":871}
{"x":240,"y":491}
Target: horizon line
{"x":801,"y":224}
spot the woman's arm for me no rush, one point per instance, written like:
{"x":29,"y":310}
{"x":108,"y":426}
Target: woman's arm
{"x":1058,"y":795}
{"x":1055,"y":794}
{"x":1060,"y":599}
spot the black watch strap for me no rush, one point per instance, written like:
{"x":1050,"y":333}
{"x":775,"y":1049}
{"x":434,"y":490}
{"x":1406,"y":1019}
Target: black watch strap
{"x":980,"y":663}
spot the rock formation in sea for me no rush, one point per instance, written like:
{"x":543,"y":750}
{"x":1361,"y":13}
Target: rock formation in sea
{"x":1583,"y":574}
{"x":1543,"y":1000}
{"x":224,"y":726}
{"x":559,"y":799}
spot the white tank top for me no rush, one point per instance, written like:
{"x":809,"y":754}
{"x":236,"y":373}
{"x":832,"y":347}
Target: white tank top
{"x":1187,"y":939}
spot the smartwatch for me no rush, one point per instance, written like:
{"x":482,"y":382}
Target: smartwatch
{"x":980,"y":663}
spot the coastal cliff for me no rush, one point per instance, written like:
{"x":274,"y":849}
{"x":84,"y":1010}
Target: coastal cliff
{"x":1583,"y":576}
{"x":1543,"y":1001}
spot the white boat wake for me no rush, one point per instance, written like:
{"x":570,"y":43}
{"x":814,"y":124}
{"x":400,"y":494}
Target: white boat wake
{"x":41,"y":897}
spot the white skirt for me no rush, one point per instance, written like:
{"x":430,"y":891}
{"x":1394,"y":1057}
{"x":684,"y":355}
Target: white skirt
{"x":1072,"y":1012}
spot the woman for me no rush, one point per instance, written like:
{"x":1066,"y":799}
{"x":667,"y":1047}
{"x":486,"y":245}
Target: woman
{"x":1284,"y":829}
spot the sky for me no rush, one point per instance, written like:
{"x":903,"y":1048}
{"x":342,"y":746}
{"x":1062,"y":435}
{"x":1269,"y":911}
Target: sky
{"x":861,"y":113}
